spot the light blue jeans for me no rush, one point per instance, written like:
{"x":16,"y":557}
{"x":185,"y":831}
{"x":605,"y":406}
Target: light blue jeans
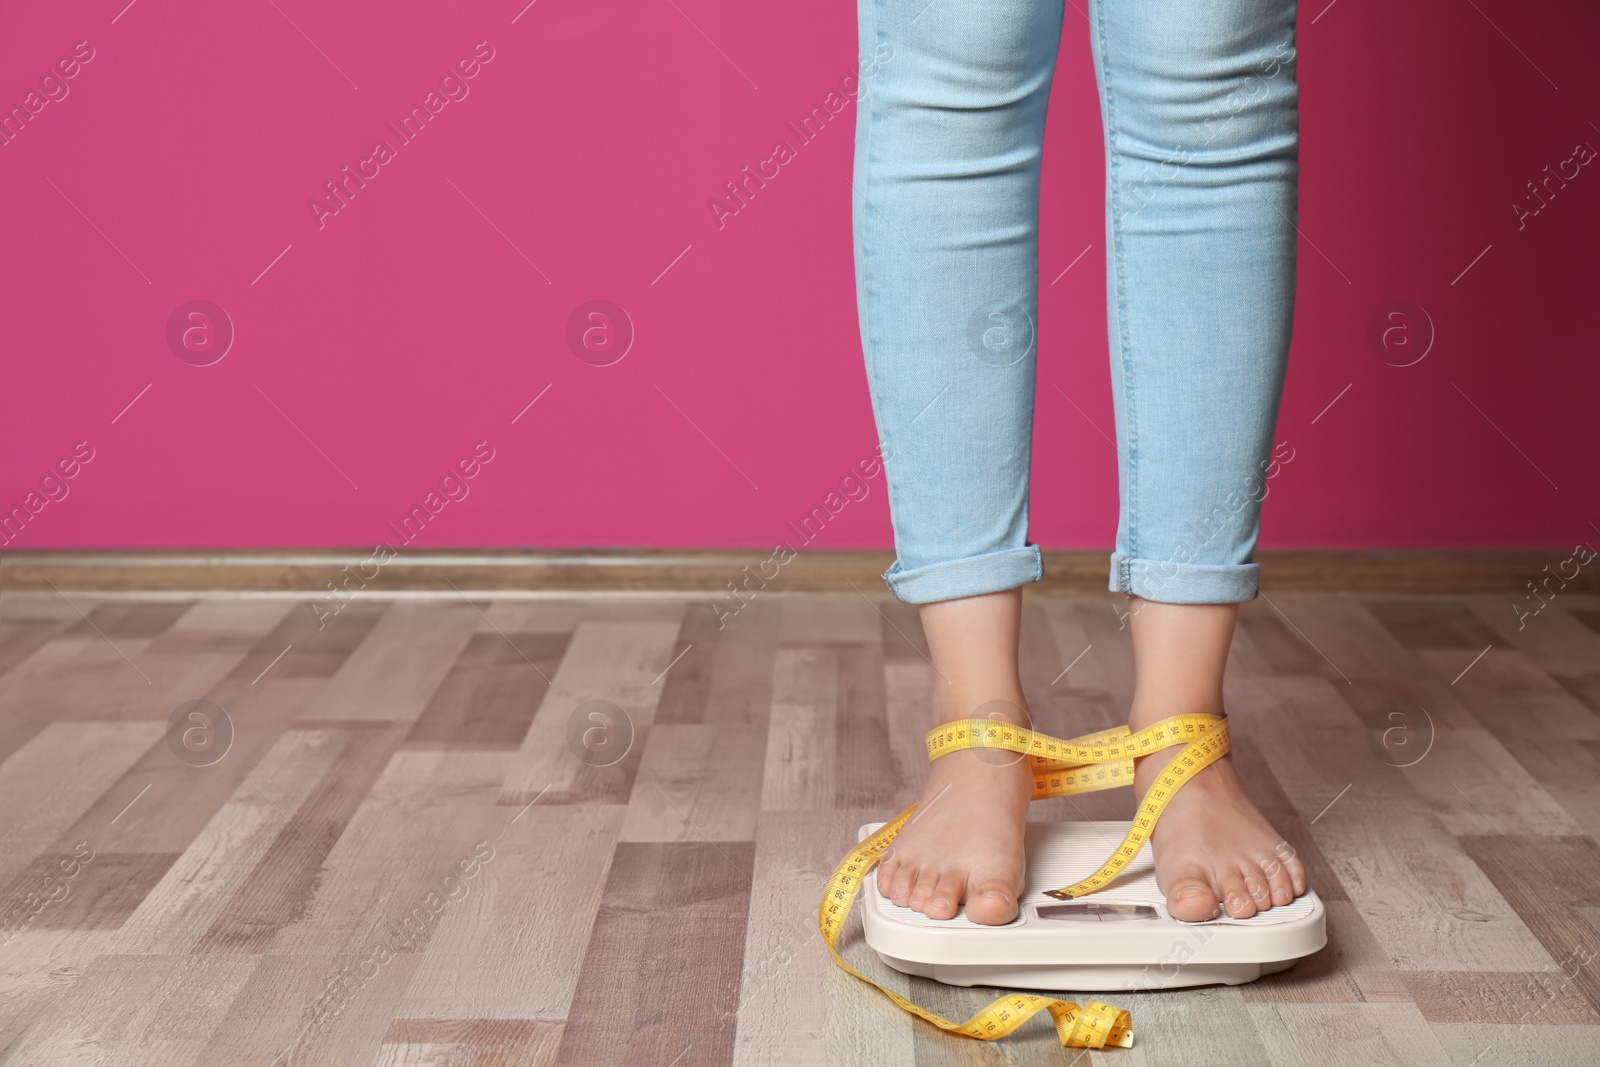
{"x":1201,"y":120}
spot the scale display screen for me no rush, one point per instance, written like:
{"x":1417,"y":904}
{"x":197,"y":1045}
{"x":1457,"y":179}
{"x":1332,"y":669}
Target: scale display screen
{"x":1093,"y":912}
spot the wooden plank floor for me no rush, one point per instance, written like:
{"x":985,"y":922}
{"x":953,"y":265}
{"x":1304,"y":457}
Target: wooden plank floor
{"x":594,"y":831}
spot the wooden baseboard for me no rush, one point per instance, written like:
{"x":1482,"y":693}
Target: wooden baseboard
{"x":1367,"y":571}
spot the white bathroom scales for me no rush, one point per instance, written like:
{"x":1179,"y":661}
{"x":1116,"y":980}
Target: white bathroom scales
{"x":1119,"y":939}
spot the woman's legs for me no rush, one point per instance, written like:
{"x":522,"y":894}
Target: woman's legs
{"x":949,"y":135}
{"x":1200,"y":110}
{"x":966,"y":841}
{"x":1211,"y":844}
{"x":1199,"y":104}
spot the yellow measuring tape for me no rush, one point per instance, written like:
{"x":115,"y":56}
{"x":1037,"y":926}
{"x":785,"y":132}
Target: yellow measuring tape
{"x":1060,"y":767}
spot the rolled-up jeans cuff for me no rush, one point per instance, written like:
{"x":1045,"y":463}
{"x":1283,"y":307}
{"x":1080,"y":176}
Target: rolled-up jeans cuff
{"x":988,"y":573}
{"x":1185,"y":583}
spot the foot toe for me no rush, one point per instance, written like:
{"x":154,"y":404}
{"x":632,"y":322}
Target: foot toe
{"x":946,"y":895}
{"x":886,"y":869}
{"x":1192,"y":899}
{"x":1258,"y":887}
{"x":1284,"y":860}
{"x":1235,"y":897}
{"x":905,"y":877}
{"x":991,"y":901}
{"x":1297,"y":873}
{"x":922,"y":892}
{"x":1279,"y":884}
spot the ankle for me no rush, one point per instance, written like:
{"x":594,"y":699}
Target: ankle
{"x":1147,"y":768}
{"x":987,"y":773}
{"x":1001,"y":702}
{"x":1149,"y":709}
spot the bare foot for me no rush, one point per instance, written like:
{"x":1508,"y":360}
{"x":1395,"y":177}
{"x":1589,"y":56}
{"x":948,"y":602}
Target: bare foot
{"x":1214,"y":850}
{"x":965,"y":841}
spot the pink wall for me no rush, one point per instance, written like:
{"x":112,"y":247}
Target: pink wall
{"x":378,"y":349}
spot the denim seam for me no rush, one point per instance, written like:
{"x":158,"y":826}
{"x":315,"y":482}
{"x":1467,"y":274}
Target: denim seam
{"x":866,"y":116}
{"x":1033,"y":278}
{"x":1128,"y":433}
